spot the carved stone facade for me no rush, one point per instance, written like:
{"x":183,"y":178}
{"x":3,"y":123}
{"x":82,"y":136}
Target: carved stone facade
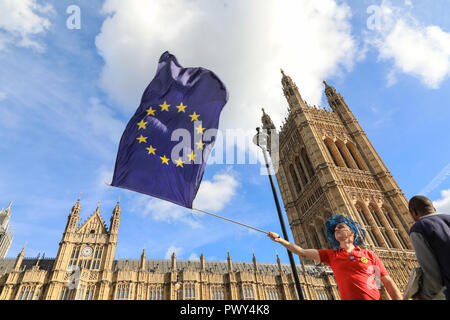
{"x":327,"y":165}
{"x":85,"y":269}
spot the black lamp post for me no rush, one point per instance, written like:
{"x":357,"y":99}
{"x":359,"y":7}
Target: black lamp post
{"x":261,"y":140}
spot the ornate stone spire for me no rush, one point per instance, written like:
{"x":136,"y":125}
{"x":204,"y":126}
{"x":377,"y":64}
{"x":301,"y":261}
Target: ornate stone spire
{"x":202,"y":262}
{"x":229,"y":262}
{"x":19,"y":259}
{"x":255,"y":264}
{"x":38,"y":259}
{"x":98,"y":207}
{"x":115,"y":218}
{"x":280,"y":269}
{"x":174,"y":261}
{"x":5,"y":215}
{"x":74,"y":217}
{"x":143,"y":259}
{"x":266,"y":121}
{"x":329,"y":90}
{"x":291,"y":92}
{"x":77,"y":206}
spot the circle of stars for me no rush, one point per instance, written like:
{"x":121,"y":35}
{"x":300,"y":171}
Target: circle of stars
{"x":151,"y":150}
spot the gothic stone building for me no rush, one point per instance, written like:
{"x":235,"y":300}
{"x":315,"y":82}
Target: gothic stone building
{"x":327,"y":165}
{"x":6,"y":235}
{"x":85,"y":269}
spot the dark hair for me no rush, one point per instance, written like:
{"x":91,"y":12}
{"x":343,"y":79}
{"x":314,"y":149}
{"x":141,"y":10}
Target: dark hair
{"x":421,"y":205}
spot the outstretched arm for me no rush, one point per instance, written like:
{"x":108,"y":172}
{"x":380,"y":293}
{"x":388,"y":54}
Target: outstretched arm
{"x":392,"y":288}
{"x":307,"y":253}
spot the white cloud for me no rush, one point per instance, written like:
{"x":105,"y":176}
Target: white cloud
{"x":21,"y":20}
{"x":215,"y":194}
{"x":212,"y":195}
{"x":243,"y":42}
{"x":2,"y":96}
{"x":102,"y":121}
{"x":409,"y":3}
{"x":161,"y":210}
{"x":414,"y":49}
{"x":443,"y":205}
{"x":193,"y":257}
{"x":171,"y":250}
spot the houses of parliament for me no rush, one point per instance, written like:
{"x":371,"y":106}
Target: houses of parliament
{"x":327,"y":165}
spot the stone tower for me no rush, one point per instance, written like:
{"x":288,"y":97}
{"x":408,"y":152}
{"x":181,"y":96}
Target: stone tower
{"x":86,"y":246}
{"x":6,"y":235}
{"x":327,"y":165}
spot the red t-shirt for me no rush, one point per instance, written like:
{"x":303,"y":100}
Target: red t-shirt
{"x":357,"y":273}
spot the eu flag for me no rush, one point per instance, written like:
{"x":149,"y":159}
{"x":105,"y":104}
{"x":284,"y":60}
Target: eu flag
{"x":165,"y":146}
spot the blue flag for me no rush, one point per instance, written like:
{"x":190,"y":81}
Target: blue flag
{"x":165,"y":146}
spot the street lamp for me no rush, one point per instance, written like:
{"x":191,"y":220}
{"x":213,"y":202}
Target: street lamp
{"x":261,"y":140}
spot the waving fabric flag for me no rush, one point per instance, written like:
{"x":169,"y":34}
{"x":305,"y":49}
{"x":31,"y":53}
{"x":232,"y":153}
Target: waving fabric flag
{"x":164,"y":148}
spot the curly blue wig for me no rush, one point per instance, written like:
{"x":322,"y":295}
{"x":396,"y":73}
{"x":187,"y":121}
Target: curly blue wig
{"x":330,"y":226}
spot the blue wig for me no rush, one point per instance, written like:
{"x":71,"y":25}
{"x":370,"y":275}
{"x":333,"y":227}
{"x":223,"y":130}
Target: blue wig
{"x":330,"y":226}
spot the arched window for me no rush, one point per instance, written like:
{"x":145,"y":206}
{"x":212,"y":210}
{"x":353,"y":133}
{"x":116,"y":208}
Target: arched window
{"x":332,"y":154}
{"x":374,"y":239}
{"x":375,"y":215}
{"x":189,"y":291}
{"x":307,"y":163}
{"x":342,"y":150}
{"x":123,"y":291}
{"x":325,"y":236}
{"x":402,"y":241}
{"x":155,"y":293}
{"x":355,"y":155}
{"x":387,"y":239}
{"x":301,"y":171}
{"x":386,"y":213}
{"x":315,"y":238}
{"x":295,"y":178}
{"x":388,"y":217}
{"x":89,"y":293}
{"x":379,"y":224}
{"x":362,"y":214}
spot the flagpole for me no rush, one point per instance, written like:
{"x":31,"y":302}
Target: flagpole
{"x":217,"y":216}
{"x":261,"y":140}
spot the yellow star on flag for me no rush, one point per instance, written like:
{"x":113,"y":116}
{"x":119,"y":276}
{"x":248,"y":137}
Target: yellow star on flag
{"x":200,"y":129}
{"x":194,"y":116}
{"x":151,"y":111}
{"x":179,"y":163}
{"x":142,"y":139}
{"x":200,"y":145}
{"x":142,"y":124}
{"x":181,"y":107}
{"x":151,"y":150}
{"x":165,"y":160}
{"x":192,"y":156}
{"x":164,"y":106}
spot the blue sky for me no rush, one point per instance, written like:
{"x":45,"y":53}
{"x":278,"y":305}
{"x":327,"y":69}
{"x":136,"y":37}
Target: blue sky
{"x":66,"y":95}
